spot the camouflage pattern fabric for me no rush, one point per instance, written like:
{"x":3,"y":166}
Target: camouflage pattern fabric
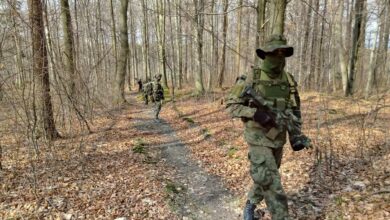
{"x":158,"y":95}
{"x":265,"y":153}
{"x":148,"y":92}
{"x":264,"y":166}
{"x":157,"y":108}
{"x":158,"y":91}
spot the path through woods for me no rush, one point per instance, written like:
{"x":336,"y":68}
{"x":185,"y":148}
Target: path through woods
{"x":199,"y":195}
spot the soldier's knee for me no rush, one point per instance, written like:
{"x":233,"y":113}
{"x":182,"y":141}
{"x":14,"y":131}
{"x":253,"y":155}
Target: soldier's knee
{"x":260,"y":172}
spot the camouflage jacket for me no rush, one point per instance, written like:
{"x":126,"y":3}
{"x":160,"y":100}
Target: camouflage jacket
{"x":284,"y":97}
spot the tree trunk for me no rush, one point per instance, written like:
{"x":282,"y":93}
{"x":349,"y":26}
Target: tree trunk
{"x":214,"y":45}
{"x":386,"y":45}
{"x":238,"y":48}
{"x":383,"y":41}
{"x":247,"y":36}
{"x":304,"y":54}
{"x":146,"y":40}
{"x":341,"y":47}
{"x":161,"y":39}
{"x":278,"y":10}
{"x":356,"y":35}
{"x":313,"y":49}
{"x":134,"y":45}
{"x":123,"y":51}
{"x":68,"y":48}
{"x":18,"y":46}
{"x":114,"y":36}
{"x":319,"y":75}
{"x":179,"y":45}
{"x":372,"y":70}
{"x":260,"y":33}
{"x":221,"y":75}
{"x":40,"y":69}
{"x":199,"y":19}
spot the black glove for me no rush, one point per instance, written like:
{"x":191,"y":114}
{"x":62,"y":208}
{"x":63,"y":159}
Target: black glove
{"x":299,"y":142}
{"x":263,"y":118}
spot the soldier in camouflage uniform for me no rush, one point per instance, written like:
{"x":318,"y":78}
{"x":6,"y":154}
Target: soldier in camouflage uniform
{"x":264,"y":137}
{"x":148,"y":91}
{"x":158,"y":95}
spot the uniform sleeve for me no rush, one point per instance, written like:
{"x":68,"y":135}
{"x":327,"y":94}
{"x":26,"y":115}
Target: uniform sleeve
{"x":237,"y":106}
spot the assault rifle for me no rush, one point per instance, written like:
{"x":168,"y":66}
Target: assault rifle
{"x":280,"y":119}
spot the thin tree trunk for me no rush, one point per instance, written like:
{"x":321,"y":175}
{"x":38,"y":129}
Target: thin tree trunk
{"x":319,"y":75}
{"x":313,"y":50}
{"x":199,"y":19}
{"x":123,"y":51}
{"x":173,"y":67}
{"x":247,"y":36}
{"x":214,"y":45}
{"x":260,"y":33}
{"x":304,"y":53}
{"x":146,"y":40}
{"x":134,"y":45}
{"x":114,"y":36}
{"x":341,"y":47}
{"x":68,"y":48}
{"x":386,"y":45}
{"x":238,"y":48}
{"x":161,"y":39}
{"x":179,"y":42}
{"x":18,"y":45}
{"x":372,"y":70}
{"x":221,"y":75}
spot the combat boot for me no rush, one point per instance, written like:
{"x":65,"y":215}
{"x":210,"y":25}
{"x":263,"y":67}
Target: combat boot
{"x":249,"y":211}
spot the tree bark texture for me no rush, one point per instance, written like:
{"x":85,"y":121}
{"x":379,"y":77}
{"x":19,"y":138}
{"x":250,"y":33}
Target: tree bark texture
{"x":224,"y":36}
{"x":123,"y":51}
{"x":356,"y":35}
{"x":68,"y":49}
{"x":278,"y":10}
{"x":40,"y":69}
{"x":199,"y":20}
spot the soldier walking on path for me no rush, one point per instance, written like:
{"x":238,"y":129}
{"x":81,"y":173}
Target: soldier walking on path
{"x":158,"y":95}
{"x":139,"y":82}
{"x":269,"y":106}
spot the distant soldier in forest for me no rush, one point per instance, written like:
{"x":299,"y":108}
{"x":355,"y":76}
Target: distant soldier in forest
{"x":139,"y":82}
{"x":269,"y":106}
{"x":158,"y":95}
{"x":148,"y":91}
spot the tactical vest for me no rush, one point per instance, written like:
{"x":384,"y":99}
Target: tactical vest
{"x":278,"y":92}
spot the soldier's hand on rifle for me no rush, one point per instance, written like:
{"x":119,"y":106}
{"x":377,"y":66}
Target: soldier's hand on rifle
{"x":263,"y":118}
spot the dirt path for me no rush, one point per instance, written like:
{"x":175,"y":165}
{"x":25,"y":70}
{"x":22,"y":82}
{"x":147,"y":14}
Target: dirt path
{"x":196,"y":194}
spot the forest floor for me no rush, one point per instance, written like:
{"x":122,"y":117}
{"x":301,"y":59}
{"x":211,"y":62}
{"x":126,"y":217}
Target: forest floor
{"x":192,"y":164}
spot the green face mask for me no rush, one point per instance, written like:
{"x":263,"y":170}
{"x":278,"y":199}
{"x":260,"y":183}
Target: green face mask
{"x":273,"y":65}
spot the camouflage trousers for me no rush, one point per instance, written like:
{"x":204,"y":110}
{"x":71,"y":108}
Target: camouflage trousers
{"x":146,"y":98}
{"x":157,"y":108}
{"x":264,"y":164}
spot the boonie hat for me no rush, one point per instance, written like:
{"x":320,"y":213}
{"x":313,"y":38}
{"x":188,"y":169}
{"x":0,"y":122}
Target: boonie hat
{"x":275,"y":42}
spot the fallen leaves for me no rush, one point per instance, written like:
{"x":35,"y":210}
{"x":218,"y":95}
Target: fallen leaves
{"x":337,"y":179}
{"x":98,"y":176}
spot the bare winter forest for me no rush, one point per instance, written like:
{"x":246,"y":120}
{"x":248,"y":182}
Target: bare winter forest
{"x":78,"y":142}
